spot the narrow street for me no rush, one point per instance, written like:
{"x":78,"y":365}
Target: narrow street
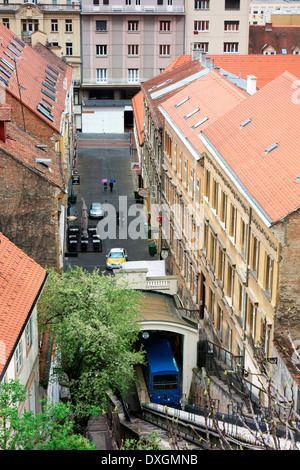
{"x":106,"y":156}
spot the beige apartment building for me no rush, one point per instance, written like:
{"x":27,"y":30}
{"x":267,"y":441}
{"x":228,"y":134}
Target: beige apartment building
{"x":281,"y":12}
{"x":217,"y":27}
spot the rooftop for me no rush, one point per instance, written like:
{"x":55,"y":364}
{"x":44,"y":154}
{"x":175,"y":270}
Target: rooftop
{"x":262,"y":157}
{"x":21,"y":281}
{"x":35,"y":74}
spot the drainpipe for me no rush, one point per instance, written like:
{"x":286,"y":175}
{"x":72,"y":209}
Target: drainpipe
{"x":247,"y":279}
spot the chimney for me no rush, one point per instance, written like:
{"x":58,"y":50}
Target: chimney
{"x":203,"y":57}
{"x":251,"y":84}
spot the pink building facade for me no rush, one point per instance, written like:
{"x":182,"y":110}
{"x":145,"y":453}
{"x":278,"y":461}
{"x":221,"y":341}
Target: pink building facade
{"x":124,"y":43}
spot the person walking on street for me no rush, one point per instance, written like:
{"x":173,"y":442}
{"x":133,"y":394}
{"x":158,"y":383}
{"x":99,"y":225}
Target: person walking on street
{"x":105,"y":187}
{"x":111,"y":185}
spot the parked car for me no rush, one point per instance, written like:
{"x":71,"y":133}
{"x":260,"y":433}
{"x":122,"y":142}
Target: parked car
{"x":115,"y":258}
{"x":96,"y":211}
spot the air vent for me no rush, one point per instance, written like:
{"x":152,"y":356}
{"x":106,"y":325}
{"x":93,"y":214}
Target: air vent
{"x":245,"y":123}
{"x":19,"y":41}
{"x":6,"y":72}
{"x":192,"y":113}
{"x":16,"y":46}
{"x":181,"y":102}
{"x":4,"y":80}
{"x":272,"y":147}
{"x":53,"y":69}
{"x":51,"y":88}
{"x":13,"y":51}
{"x":52,"y":97}
{"x":46,"y":101}
{"x":51,"y":74}
{"x":4,"y":61}
{"x":200,"y":122}
{"x":45,"y":113}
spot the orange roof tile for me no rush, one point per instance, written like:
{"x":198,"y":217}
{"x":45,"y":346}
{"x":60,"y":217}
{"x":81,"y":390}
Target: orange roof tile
{"x":269,"y":180}
{"x":182,"y":59}
{"x":279,"y":37}
{"x":166,"y":84}
{"x":26,"y":149}
{"x":31,"y":69}
{"x":21,"y":280}
{"x":264,"y":67}
{"x":138,"y":111}
{"x":212,"y":94}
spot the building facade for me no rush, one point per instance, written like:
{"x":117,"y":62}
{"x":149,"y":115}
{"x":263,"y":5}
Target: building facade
{"x":217,"y":27}
{"x":125,"y":43}
{"x":22,"y":284}
{"x":280,"y":12}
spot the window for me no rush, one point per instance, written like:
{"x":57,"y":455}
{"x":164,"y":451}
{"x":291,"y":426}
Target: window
{"x":101,"y":75}
{"x":185,"y":172}
{"x":18,"y":357}
{"x":5,"y":21}
{"x":231,"y":47}
{"x":230,"y":281}
{"x":192,"y":182}
{"x":221,"y":265}
{"x":29,"y":333}
{"x":175,"y":157}
{"x":231,"y":25}
{"x":232,"y":4}
{"x":30,"y":25}
{"x":255,"y":255}
{"x":232,"y":226}
{"x":201,"y":25}
{"x":69,"y":26}
{"x":133,"y":75}
{"x":165,"y":26}
{"x":133,"y":49}
{"x":243,"y":241}
{"x":54,"y":26}
{"x":198,"y":191}
{"x":223,"y":208}
{"x":164,"y":50}
{"x":101,"y":49}
{"x":95,"y":2}
{"x":133,"y":25}
{"x":201,"y":4}
{"x":269,"y":274}
{"x":215,"y":195}
{"x":69,"y":49}
{"x":180,"y":165}
{"x":101,"y":25}
{"x":201,"y":46}
{"x":160,"y":2}
{"x":207,"y":183}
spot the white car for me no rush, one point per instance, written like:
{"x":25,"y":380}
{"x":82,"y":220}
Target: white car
{"x":96,"y":211}
{"x":115,"y":258}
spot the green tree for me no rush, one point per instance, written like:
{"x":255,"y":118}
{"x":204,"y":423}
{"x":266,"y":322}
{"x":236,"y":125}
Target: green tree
{"x":52,"y":429}
{"x":95,"y":321}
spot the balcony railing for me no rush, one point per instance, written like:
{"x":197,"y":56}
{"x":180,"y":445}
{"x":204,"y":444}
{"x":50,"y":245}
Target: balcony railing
{"x":74,"y":6}
{"x":131,"y":9}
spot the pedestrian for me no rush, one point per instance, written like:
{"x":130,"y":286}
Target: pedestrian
{"x":111,"y":185}
{"x":105,"y":186}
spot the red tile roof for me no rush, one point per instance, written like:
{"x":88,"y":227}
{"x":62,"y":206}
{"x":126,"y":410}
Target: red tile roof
{"x":21,"y":280}
{"x":26,"y":148}
{"x":31,"y":69}
{"x":279,"y":37}
{"x":213,"y":94}
{"x":269,"y":178}
{"x":166,"y":84}
{"x":138,"y":111}
{"x":264,"y":67}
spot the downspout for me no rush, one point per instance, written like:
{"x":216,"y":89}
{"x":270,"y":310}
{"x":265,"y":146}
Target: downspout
{"x":246,"y":283}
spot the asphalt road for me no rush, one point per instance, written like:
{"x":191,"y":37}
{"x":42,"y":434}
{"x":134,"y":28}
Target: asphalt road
{"x":108,"y":156}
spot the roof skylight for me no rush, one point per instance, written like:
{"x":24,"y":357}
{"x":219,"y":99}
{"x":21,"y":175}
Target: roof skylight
{"x":245,"y":123}
{"x":192,"y":113}
{"x":272,"y":147}
{"x":200,"y":122}
{"x":182,"y":101}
